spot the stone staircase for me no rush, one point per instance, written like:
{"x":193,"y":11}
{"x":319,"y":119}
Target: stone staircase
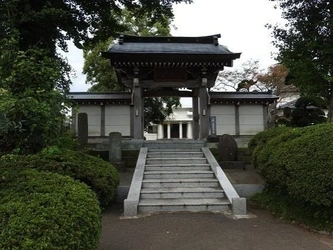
{"x":173,"y":177}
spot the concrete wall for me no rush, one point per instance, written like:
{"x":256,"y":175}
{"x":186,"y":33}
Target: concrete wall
{"x":117,"y":119}
{"x":94,"y":118}
{"x":244,"y":119}
{"x":251,"y":119}
{"x":225,"y":119}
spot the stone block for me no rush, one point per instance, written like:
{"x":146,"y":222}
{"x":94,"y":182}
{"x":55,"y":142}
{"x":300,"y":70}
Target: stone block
{"x":115,"y":150}
{"x":239,"y":206}
{"x":227,"y":148}
{"x":82,"y":128}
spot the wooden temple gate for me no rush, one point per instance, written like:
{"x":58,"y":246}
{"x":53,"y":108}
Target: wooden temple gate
{"x":160,"y":66}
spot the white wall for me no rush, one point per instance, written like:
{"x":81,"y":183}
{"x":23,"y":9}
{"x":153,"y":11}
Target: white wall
{"x":225,"y":119}
{"x":117,"y":119}
{"x":94,"y":119}
{"x":251,"y":119}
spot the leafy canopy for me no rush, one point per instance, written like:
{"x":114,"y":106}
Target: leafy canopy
{"x":103,"y":77}
{"x":305,"y":45}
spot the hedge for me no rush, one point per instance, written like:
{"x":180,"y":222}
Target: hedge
{"x":259,"y":141}
{"x":101,"y":176}
{"x":41,"y":210}
{"x":300,"y":163}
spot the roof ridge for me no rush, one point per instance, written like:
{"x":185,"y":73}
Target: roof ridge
{"x":212,"y":39}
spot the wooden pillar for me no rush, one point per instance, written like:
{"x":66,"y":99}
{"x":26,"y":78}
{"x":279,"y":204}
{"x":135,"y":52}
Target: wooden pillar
{"x":137,"y":107}
{"x":195,"y":107}
{"x":203,"y":113}
{"x":265,"y":116}
{"x":74,"y":124}
{"x":102,"y":119}
{"x":237,"y":124}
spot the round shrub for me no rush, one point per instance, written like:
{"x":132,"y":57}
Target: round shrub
{"x":270,"y":160}
{"x":101,"y":176}
{"x":299,"y":162}
{"x":259,"y":141}
{"x":262,"y":137}
{"x":41,"y":210}
{"x":310,"y":165}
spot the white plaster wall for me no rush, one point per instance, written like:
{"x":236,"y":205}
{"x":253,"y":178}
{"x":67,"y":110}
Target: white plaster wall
{"x":251,"y":119}
{"x":181,"y":114}
{"x":94,"y":119}
{"x":117,"y":119}
{"x":225,"y":119}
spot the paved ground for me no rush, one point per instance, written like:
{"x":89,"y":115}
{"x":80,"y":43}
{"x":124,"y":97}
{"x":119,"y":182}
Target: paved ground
{"x":205,"y":231}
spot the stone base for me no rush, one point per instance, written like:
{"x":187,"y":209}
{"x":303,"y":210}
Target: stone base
{"x":233,"y":165}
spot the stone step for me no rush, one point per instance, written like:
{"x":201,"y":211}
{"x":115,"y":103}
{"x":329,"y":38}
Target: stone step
{"x":178,"y":205}
{"x":175,"y":154}
{"x":172,"y":167}
{"x":176,"y":160}
{"x":178,"y":174}
{"x":163,"y":193}
{"x":179,"y":183}
{"x":174,"y":150}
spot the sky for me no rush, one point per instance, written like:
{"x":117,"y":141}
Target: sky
{"x":241,"y":24}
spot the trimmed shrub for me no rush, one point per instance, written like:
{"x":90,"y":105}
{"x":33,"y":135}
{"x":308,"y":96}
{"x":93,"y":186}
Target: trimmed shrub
{"x":262,"y":137}
{"x":259,"y":141}
{"x":101,"y":176}
{"x":299,"y":162}
{"x":42,"y":210}
{"x":310,"y":165}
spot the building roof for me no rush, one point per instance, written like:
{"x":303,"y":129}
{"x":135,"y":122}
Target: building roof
{"x":215,"y":97}
{"x":99,"y":98}
{"x":178,"y":51}
{"x":170,"y":45}
{"x":242,"y":97}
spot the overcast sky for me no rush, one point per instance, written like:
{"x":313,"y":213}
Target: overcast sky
{"x":241,"y":24}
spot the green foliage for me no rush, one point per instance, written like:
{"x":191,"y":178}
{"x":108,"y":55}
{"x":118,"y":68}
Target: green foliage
{"x":308,"y":112}
{"x":31,"y":98}
{"x":305,"y":46}
{"x":99,"y":175}
{"x":42,"y":210}
{"x":261,"y":138}
{"x":104,"y":79}
{"x":297,"y":167}
{"x":299,"y":162}
{"x":158,"y":108}
{"x":300,"y":212}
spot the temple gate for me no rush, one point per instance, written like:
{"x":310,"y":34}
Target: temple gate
{"x":160,"y":66}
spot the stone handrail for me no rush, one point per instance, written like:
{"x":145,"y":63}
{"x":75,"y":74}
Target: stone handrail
{"x":238,"y":203}
{"x":132,"y":201}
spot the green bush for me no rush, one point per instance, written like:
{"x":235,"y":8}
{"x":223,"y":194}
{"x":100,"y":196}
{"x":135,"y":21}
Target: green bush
{"x":301,"y":212}
{"x":262,"y":137}
{"x":310,"y":165}
{"x":99,"y":175}
{"x":259,"y":141}
{"x":270,"y":160}
{"x":41,"y":210}
{"x":299,"y":162}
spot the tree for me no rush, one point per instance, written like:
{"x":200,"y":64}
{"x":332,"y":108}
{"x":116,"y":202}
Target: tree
{"x":240,"y":79}
{"x":34,"y":78}
{"x":103,"y":77}
{"x":305,"y":46}
{"x":274,"y":79}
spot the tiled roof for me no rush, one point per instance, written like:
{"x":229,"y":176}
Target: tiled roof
{"x":207,"y":45}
